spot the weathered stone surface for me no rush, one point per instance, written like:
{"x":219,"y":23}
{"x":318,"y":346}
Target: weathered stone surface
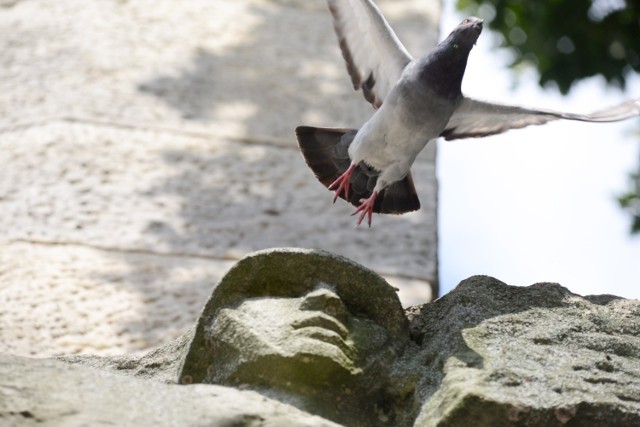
{"x":182,"y":195}
{"x":246,"y":68}
{"x":160,"y":364}
{"x":494,"y":355}
{"x":290,"y":272}
{"x":136,"y":135}
{"x":72,"y":299}
{"x":349,"y":381}
{"x":54,"y":393}
{"x":487,"y":354}
{"x":311,"y":328}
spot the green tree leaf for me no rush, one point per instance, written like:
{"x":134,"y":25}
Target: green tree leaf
{"x":567,"y":41}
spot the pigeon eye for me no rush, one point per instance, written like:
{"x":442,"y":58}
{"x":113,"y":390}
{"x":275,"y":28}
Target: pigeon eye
{"x":466,"y":21}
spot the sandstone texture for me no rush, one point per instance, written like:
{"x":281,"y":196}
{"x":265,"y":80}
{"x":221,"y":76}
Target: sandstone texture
{"x":486,"y":354}
{"x":537,"y":356}
{"x":147,"y":146}
{"x":53,"y":393}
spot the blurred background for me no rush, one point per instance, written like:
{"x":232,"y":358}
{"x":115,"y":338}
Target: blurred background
{"x":560,"y":202}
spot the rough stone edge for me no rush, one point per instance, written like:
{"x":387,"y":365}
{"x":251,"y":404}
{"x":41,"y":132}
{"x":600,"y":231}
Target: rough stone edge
{"x":252,"y":275}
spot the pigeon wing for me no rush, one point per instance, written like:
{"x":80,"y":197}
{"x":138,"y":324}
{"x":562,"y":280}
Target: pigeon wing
{"x":374,"y":55}
{"x":474,"y":118}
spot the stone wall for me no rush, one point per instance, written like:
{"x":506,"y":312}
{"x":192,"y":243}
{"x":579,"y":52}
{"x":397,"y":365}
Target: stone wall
{"x":146,"y":146}
{"x":486,"y":354}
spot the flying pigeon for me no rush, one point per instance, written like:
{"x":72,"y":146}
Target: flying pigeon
{"x":415,"y":101}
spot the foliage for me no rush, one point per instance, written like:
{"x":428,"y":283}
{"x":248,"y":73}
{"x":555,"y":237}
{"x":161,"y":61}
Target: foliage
{"x":567,"y":40}
{"x":631,"y":202}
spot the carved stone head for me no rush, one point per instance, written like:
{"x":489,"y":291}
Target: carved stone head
{"x":308,"y":327}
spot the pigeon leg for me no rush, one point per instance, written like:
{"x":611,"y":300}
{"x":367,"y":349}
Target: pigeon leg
{"x":342,"y":183}
{"x":366,"y":208}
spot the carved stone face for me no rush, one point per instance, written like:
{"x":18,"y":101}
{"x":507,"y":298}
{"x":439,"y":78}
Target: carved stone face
{"x":306,"y":327}
{"x":310,"y":340}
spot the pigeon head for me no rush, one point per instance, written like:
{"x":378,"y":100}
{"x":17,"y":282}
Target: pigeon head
{"x":465,"y":35}
{"x":443,"y":69}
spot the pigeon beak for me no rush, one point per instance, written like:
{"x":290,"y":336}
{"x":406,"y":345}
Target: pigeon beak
{"x":478,"y":24}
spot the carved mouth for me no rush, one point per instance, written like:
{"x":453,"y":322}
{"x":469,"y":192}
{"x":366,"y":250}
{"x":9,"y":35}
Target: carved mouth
{"x":322,"y":322}
{"x":327,"y":329}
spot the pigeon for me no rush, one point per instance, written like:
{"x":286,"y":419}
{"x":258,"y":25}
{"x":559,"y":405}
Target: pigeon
{"x":415,"y":101}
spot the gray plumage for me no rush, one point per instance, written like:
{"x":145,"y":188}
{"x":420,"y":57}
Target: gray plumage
{"x":416,"y":101}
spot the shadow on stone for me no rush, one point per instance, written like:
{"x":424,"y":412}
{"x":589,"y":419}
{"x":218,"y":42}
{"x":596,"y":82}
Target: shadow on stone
{"x":308,"y":328}
{"x":293,"y":328}
{"x":192,"y":92}
{"x":493,"y":354}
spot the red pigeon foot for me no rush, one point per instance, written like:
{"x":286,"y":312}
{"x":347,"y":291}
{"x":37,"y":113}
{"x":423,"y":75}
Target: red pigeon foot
{"x":366,"y":208}
{"x":342,"y":183}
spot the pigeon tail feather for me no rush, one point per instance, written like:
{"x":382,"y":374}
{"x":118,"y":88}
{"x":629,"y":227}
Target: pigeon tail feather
{"x":325,"y":151}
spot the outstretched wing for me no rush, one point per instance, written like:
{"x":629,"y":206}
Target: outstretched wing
{"x":475,"y":118}
{"x":374,"y":55}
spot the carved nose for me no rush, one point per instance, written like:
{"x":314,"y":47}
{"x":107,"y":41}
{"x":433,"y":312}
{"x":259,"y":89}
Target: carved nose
{"x":326,"y":301}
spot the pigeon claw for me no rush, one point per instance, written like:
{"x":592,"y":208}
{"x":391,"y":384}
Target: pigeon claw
{"x":342,"y":183}
{"x":366,"y":209}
